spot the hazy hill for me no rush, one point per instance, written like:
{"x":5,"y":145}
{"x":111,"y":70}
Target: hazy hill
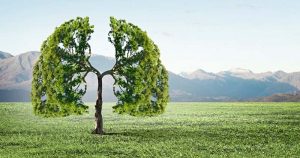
{"x":278,"y":77}
{"x":4,"y":55}
{"x":227,"y":87}
{"x":16,"y":72}
{"x":294,"y":97}
{"x":199,"y":74}
{"x":231,"y":85}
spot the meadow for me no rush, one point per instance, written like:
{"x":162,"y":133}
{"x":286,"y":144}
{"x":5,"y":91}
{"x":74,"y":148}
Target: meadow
{"x":185,"y":130}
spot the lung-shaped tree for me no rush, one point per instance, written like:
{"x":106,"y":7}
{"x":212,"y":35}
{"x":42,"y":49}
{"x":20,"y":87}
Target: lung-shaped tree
{"x":141,"y":81}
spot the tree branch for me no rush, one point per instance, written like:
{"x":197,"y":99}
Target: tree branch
{"x":91,"y":68}
{"x":94,"y":70}
{"x":108,"y":72}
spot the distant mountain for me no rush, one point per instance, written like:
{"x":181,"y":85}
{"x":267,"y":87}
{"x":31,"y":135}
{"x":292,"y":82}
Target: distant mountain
{"x":225,"y":86}
{"x":232,"y":85}
{"x":16,"y":72}
{"x":199,"y":74}
{"x":294,"y":97}
{"x":4,"y":55}
{"x":242,"y":73}
{"x":292,"y":79}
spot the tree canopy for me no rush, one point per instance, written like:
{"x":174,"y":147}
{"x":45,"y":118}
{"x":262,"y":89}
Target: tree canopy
{"x":141,"y":81}
{"x":141,"y":85}
{"x":59,"y":74}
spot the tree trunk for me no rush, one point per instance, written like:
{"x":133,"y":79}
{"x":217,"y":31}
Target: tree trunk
{"x":98,"y":109}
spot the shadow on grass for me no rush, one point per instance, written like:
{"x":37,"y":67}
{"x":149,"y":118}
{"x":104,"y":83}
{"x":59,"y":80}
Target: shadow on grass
{"x":158,"y":134}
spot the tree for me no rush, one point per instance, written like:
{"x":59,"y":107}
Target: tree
{"x":141,"y":81}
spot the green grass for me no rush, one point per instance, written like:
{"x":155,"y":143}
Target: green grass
{"x":185,"y":130}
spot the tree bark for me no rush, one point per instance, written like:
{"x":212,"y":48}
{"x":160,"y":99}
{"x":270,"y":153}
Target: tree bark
{"x":98,"y":109}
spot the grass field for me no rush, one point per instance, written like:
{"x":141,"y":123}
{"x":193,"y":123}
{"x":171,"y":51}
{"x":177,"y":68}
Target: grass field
{"x":185,"y":130}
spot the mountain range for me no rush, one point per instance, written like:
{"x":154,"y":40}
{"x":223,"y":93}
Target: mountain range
{"x":292,"y":97}
{"x":232,"y":85}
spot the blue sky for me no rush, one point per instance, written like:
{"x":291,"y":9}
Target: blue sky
{"x":214,"y":35}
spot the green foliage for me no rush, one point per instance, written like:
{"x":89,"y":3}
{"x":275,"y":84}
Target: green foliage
{"x":188,"y":130}
{"x":58,"y":76}
{"x":141,"y":80}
